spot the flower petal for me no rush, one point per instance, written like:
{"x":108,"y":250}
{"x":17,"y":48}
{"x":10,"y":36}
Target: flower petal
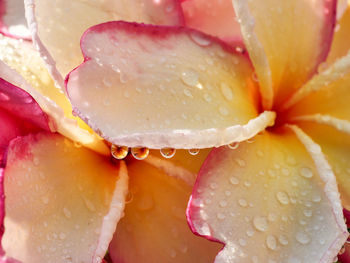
{"x":216,"y":18}
{"x":156,"y":81}
{"x":335,"y":144}
{"x":12,"y":20}
{"x":58,"y":25}
{"x":58,"y":209}
{"x":154,"y":228}
{"x":286,"y":41}
{"x":326,"y":93}
{"x":24,"y":68}
{"x":278,"y":197}
{"x":341,"y":40}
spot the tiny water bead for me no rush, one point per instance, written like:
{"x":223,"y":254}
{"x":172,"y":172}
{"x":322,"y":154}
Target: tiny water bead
{"x":140,"y":153}
{"x":193,"y":151}
{"x":168,"y":152}
{"x":119,"y":152}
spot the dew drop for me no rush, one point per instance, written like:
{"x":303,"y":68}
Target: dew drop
{"x":193,"y":151}
{"x":200,"y":39}
{"x":233,"y":145}
{"x":260,"y":223}
{"x":306,"y":172}
{"x":188,"y":93}
{"x":226,"y":91}
{"x":119,"y":152}
{"x":207,"y":97}
{"x":107,"y":82}
{"x":139,"y":153}
{"x":168,"y":152}
{"x":242,"y":203}
{"x":62,"y":236}
{"x":190,"y":77}
{"x":67,"y":213}
{"x":220,"y":216}
{"x":223,"y":203}
{"x":283,"y":198}
{"x":271,"y":242}
{"x":302,"y":238}
{"x":223,"y":111}
{"x":242,"y":242}
{"x":234,"y":180}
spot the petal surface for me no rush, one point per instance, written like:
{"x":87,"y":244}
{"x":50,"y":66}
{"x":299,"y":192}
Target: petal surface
{"x":12,"y":20}
{"x":154,"y":228}
{"x":142,"y":85}
{"x":286,"y":41}
{"x":326,"y":93}
{"x":278,"y":198}
{"x":58,"y":209}
{"x":58,"y":25}
{"x":336,"y":146}
{"x":216,"y":18}
{"x":23,"y":67}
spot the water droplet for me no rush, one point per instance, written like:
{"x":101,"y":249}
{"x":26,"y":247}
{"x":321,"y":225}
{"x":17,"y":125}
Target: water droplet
{"x":220,"y":216}
{"x":260,"y":223}
{"x":307,"y":213}
{"x":250,"y":232}
{"x":260,"y":153}
{"x":272,"y":217}
{"x":223,"y":111}
{"x":271,"y":242}
{"x":89,"y":205}
{"x":62,"y":236}
{"x":188,"y":93}
{"x":140,"y":153}
{"x":242,"y":242}
{"x":193,"y":151}
{"x":67,"y":213}
{"x":242,"y":203}
{"x":306,"y":172}
{"x":283,"y":198}
{"x":233,"y":145}
{"x":168,"y":152}
{"x":190,"y":77}
{"x":234,"y":180}
{"x":45,"y":200}
{"x":240,"y":162}
{"x":200,"y":39}
{"x":283,"y":240}
{"x":119,"y":152}
{"x":223,"y":203}
{"x":36,"y":161}
{"x":226,"y":91}
{"x":107,"y":82}
{"x":302,"y":238}
{"x":207,"y":97}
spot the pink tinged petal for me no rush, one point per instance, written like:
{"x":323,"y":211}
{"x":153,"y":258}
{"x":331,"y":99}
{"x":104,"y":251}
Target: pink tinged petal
{"x":277,"y":195}
{"x":58,"y":25}
{"x":286,"y":41}
{"x":215,"y":18}
{"x":12,"y":19}
{"x":154,"y":228}
{"x":142,"y":85}
{"x":58,"y":209}
{"x":22,"y":66}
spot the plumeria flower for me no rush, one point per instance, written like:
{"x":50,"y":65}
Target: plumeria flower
{"x":273,"y":198}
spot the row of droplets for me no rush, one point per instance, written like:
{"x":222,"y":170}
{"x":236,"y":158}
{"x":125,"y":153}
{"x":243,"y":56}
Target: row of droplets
{"x":141,"y":153}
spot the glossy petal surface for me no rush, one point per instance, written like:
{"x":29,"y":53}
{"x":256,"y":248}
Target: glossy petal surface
{"x":279,"y":203}
{"x":216,"y":18}
{"x":24,"y":68}
{"x":286,"y":41}
{"x":58,"y":25}
{"x":61,"y":206}
{"x":336,"y":146}
{"x":154,"y":228}
{"x":12,"y":20}
{"x":142,"y":85}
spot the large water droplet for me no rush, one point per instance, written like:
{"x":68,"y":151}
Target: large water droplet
{"x":271,"y":242}
{"x":283,"y":240}
{"x":260,"y":223}
{"x":200,"y":39}
{"x":168,"y":152}
{"x":140,"y":153}
{"x":226,"y":91}
{"x":306,"y":172}
{"x":67,"y":213}
{"x":283,"y":198}
{"x":119,"y":152}
{"x":190,"y":77}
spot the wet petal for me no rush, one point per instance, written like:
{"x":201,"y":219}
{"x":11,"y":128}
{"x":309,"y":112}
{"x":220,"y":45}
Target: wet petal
{"x":155,"y":82}
{"x":58,"y":209}
{"x":286,"y":41}
{"x":58,"y":25}
{"x":341,"y":40}
{"x":154,"y":228}
{"x":24,"y":68}
{"x":335,"y":143}
{"x":326,"y":93}
{"x":278,"y":197}
{"x":216,"y":18}
{"x":12,"y":20}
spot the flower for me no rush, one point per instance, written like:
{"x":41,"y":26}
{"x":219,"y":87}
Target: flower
{"x":273,"y":198}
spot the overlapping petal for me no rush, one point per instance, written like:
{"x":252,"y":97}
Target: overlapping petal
{"x":287,"y":45}
{"x":154,"y":228}
{"x":273,"y":200}
{"x":216,"y":18}
{"x":62,"y":201}
{"x":58,"y":25}
{"x":23,"y":67}
{"x":143,"y":85}
{"x":12,"y":20}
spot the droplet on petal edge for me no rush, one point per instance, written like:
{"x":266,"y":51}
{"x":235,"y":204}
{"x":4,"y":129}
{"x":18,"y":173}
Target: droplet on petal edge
{"x":139,"y":153}
{"x":119,"y":152}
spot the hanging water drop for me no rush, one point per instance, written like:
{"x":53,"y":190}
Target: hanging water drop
{"x":140,"y":153}
{"x":119,"y":152}
{"x":233,"y":146}
{"x":168,"y":152}
{"x":193,"y":151}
